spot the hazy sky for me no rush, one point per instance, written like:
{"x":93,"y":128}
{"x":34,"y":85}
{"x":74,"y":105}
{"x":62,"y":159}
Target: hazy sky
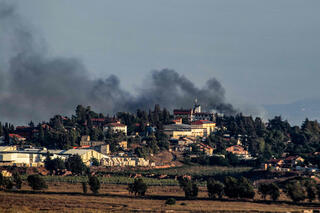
{"x":262,"y":51}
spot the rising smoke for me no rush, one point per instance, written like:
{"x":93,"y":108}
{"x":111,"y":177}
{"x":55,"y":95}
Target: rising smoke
{"x":34,"y":86}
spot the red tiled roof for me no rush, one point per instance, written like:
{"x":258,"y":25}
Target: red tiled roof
{"x":115,"y":124}
{"x":98,"y":119}
{"x":291,"y":158}
{"x":15,"y":136}
{"x":275,"y":160}
{"x":200,"y":122}
{"x":235,"y":148}
{"x":23,"y":127}
{"x":44,"y":126}
{"x":206,"y":146}
{"x":182,"y":111}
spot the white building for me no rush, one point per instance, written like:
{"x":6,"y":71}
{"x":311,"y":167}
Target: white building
{"x":124,"y":161}
{"x":116,"y":127}
{"x":36,"y":157}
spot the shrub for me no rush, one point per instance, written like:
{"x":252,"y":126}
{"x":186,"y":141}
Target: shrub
{"x":274,"y":192}
{"x":245,"y":189}
{"x":17,"y":180}
{"x":171,"y":201}
{"x":238,"y":188}
{"x":263,"y":190}
{"x":36,"y":182}
{"x":318,"y":190}
{"x":295,"y":191}
{"x":269,"y":189}
{"x":1,"y":180}
{"x":231,"y":187}
{"x":138,"y":187}
{"x":215,"y":189}
{"x":8,"y":183}
{"x":310,"y":187}
{"x":84,"y":187}
{"x":94,"y":184}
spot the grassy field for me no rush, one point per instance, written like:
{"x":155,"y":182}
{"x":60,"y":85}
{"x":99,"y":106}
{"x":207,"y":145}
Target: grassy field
{"x":113,"y":180}
{"x":124,"y":178}
{"x":66,"y":197}
{"x":200,"y":170}
{"x":64,"y":194}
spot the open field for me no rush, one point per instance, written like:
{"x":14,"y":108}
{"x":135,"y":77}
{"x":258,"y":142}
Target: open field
{"x":149,"y":177}
{"x":66,"y":197}
{"x":199,"y":170}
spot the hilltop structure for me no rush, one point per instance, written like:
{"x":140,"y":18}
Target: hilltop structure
{"x":193,"y":114}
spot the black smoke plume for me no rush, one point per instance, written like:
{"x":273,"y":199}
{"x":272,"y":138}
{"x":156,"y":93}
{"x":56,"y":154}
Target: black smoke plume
{"x":35,"y":86}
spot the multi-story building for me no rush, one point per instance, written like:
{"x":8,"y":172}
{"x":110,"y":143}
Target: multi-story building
{"x":183,"y":130}
{"x":116,"y":127}
{"x":193,"y":114}
{"x":208,"y":126}
{"x":36,"y":157}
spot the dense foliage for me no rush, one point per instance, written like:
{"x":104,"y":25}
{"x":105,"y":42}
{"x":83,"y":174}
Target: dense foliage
{"x":94,"y":184}
{"x":269,"y":189}
{"x":75,"y":164}
{"x":263,"y":140}
{"x":36,"y":182}
{"x":189,"y":187}
{"x":138,"y":187}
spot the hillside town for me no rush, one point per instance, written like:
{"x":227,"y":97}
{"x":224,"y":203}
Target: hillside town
{"x":127,"y":140}
{"x":226,"y":156}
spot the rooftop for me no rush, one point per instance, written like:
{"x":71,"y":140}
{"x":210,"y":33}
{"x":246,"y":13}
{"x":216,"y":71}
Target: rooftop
{"x":177,"y":127}
{"x":200,"y":122}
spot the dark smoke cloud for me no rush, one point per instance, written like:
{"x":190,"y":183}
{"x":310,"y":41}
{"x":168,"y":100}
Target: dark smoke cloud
{"x":34,"y":86}
{"x":167,"y":88}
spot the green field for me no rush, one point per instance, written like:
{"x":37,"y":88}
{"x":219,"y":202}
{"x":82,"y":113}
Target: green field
{"x":124,"y":178}
{"x":199,"y":170}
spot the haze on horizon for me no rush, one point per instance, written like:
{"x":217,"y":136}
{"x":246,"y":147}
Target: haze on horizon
{"x":262,"y":52}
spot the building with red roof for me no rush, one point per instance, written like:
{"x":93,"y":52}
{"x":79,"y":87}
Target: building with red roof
{"x":116,"y":127}
{"x":193,"y":114}
{"x":208,"y":126}
{"x":13,"y":138}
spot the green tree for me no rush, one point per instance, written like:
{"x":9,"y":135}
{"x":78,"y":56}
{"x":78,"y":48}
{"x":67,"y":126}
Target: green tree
{"x":8,"y":183}
{"x":17,"y":180}
{"x":94,"y":184}
{"x":189,"y":187}
{"x":152,"y":144}
{"x":245,"y":189}
{"x":318,"y":190}
{"x":274,"y":192}
{"x":138,"y":187}
{"x":54,"y":164}
{"x":269,"y":189}
{"x":1,"y":179}
{"x":36,"y":182}
{"x":84,"y":187}
{"x":231,"y":187}
{"x":94,"y":162}
{"x":311,"y":190}
{"x":215,"y":189}
{"x":75,"y":164}
{"x":295,"y":191}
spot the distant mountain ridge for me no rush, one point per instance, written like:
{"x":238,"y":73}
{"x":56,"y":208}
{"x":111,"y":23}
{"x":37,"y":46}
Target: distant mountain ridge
{"x":296,"y":112}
